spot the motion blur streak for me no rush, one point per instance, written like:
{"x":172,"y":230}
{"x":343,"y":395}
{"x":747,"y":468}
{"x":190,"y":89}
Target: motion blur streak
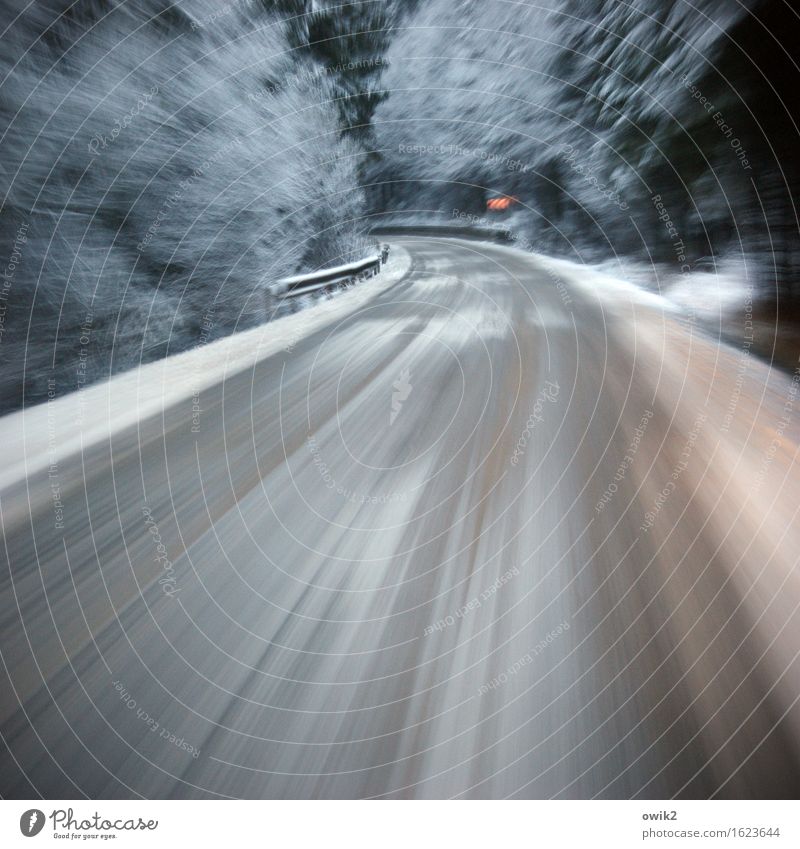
{"x":331,"y":580}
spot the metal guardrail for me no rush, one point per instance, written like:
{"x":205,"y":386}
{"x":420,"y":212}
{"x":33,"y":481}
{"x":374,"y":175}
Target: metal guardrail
{"x":328,"y":279}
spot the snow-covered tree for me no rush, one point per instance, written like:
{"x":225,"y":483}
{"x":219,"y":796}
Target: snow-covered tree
{"x":585,"y":110}
{"x":166,"y":161}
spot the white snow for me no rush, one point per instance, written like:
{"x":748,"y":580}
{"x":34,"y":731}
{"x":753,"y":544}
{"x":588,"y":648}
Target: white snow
{"x":350,"y":268}
{"x":35,"y":437}
{"x":709,"y":296}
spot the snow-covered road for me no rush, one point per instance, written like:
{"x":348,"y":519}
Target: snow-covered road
{"x":496,"y":529}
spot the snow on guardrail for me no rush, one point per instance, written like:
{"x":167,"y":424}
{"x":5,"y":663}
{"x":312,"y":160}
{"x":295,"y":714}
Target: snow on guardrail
{"x":340,"y":275}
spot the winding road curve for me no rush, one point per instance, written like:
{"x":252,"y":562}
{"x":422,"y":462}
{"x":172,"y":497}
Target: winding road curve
{"x":500,"y":530}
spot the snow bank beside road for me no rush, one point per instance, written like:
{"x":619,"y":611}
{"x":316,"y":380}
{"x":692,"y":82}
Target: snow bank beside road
{"x":709,"y":295}
{"x":39,"y":436}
